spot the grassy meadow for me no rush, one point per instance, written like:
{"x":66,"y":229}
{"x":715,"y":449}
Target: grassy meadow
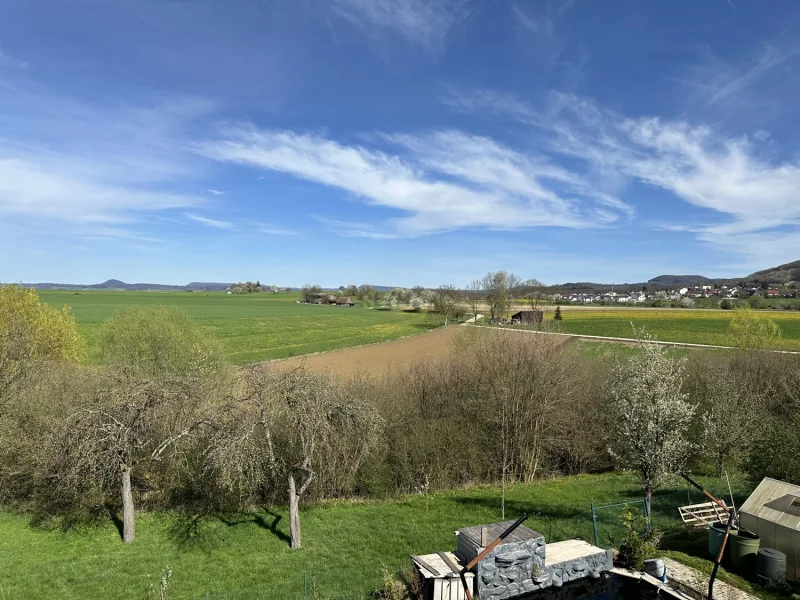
{"x":345,"y":544}
{"x":672,"y":324}
{"x":251,"y":327}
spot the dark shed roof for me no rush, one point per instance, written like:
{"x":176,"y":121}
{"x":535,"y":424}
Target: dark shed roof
{"x":520,"y":534}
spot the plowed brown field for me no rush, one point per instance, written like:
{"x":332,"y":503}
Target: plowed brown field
{"x":377,"y":359}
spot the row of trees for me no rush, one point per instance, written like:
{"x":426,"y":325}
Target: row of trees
{"x":163,"y":422}
{"x":249,"y":287}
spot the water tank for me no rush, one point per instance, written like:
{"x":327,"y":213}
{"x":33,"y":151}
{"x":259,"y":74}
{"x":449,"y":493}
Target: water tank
{"x":771,"y":566}
{"x":744,"y":547}
{"x":716,"y":532}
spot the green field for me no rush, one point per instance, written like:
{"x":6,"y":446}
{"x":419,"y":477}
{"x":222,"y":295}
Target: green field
{"x":251,"y":327}
{"x":345,"y":544}
{"x":673,"y":325}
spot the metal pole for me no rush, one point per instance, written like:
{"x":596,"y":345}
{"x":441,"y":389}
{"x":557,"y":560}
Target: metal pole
{"x":594,"y":524}
{"x":305,"y":585}
{"x":730,"y":491}
{"x":717,"y":562}
{"x":647,"y":513}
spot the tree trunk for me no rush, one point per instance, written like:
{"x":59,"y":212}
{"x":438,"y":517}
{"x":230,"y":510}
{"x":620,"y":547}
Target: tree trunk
{"x":648,"y":493}
{"x":720,"y":463}
{"x":128,"y":531}
{"x":294,"y":513}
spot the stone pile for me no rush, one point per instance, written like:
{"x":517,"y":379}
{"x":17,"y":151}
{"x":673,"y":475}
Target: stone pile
{"x":512,"y":569}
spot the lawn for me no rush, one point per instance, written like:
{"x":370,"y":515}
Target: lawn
{"x":673,"y":325}
{"x":345,"y":544}
{"x":251,"y":327}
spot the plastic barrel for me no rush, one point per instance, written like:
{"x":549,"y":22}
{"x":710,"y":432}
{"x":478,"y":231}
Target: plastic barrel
{"x":716,"y":532}
{"x":744,"y":548}
{"x":771,"y":566}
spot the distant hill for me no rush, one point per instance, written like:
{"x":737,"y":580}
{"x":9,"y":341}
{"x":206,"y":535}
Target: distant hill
{"x":117,"y":285}
{"x":672,"y":280}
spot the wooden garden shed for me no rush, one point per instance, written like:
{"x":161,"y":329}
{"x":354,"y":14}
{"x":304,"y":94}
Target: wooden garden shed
{"x":773,"y":513}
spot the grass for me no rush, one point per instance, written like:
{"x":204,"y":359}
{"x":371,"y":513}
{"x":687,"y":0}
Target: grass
{"x":673,"y":325}
{"x":345,"y":544}
{"x":251,"y":327}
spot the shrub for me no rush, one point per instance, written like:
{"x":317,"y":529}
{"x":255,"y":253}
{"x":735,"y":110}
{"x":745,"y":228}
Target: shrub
{"x":391,"y":587}
{"x":640,"y":543}
{"x":750,"y":329}
{"x":157,"y":340}
{"x":726,"y":304}
{"x":31,"y":332}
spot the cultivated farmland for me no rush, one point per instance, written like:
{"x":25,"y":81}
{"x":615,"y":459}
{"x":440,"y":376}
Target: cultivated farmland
{"x":251,"y":327}
{"x":672,"y":325}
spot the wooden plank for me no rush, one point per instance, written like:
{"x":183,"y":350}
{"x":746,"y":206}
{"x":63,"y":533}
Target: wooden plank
{"x":449,"y":562}
{"x":422,"y":563}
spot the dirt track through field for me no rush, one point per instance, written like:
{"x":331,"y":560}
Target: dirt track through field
{"x":379,"y":359}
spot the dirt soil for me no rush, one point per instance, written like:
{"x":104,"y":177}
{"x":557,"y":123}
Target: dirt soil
{"x":376,"y":359}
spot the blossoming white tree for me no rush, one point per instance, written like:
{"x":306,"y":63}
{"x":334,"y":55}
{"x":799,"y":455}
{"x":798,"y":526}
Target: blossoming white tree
{"x":651,"y":416}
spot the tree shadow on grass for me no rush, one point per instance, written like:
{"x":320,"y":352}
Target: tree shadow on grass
{"x":118,"y":523}
{"x":515,"y":508}
{"x":693,"y":542}
{"x":268,"y":521}
{"x":194,"y":532}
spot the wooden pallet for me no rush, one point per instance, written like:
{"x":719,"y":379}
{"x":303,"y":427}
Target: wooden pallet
{"x":701,"y":515}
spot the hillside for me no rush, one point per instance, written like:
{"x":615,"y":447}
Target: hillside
{"x":781,"y":274}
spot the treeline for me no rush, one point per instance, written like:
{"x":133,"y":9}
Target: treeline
{"x":164,"y":423}
{"x":249,"y":287}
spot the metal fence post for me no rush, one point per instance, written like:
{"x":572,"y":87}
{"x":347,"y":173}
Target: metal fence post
{"x":594,"y":524}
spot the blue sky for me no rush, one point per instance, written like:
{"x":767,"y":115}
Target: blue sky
{"x":396,"y":142}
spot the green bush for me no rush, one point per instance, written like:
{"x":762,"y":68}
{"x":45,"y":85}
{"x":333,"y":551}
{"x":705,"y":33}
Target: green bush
{"x":157,"y":340}
{"x":640,"y":543}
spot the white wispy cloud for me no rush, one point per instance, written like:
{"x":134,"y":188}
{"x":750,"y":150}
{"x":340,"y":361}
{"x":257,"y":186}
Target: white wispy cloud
{"x":435,"y":182}
{"x":215,"y":192}
{"x":32,"y":186}
{"x":423,"y":22}
{"x":564,"y":59}
{"x":57,"y":167}
{"x":271,"y":229}
{"x":750,"y":195}
{"x":759,"y":87}
{"x":700,"y":165}
{"x":210,"y":222}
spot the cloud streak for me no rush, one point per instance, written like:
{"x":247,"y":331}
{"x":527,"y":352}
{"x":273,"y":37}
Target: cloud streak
{"x":434,"y":182}
{"x":751,"y":198}
{"x":210,"y":222}
{"x":57,"y":167}
{"x":422,"y":22}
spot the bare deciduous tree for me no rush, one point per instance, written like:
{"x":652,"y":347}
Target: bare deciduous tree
{"x":534,"y":293}
{"x":291,"y":426}
{"x":127,"y":422}
{"x":447,"y":302}
{"x":474,"y":296}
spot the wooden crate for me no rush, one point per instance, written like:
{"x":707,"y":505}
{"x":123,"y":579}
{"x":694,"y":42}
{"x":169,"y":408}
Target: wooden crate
{"x":441,"y":582}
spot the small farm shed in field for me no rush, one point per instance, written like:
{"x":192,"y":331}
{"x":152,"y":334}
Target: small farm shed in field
{"x":773,"y":513}
{"x":528,"y":317}
{"x":344,"y":301}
